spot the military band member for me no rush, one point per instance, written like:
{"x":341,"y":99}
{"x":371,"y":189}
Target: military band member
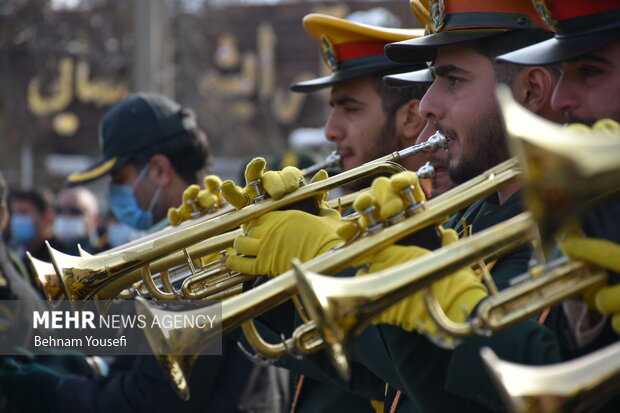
{"x":367,"y":120}
{"x":465,"y":37}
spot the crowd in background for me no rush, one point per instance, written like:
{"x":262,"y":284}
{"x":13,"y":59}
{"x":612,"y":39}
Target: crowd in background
{"x":68,"y":220}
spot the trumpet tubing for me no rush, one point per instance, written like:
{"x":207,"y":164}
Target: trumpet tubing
{"x":205,"y":285}
{"x":560,"y":279}
{"x":105,"y":276}
{"x":333,"y":160}
{"x":575,"y":386}
{"x":305,"y":340}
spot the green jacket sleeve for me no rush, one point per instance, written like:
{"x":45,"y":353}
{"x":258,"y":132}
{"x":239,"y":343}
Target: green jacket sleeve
{"x":422,"y":369}
{"x":526,"y":343}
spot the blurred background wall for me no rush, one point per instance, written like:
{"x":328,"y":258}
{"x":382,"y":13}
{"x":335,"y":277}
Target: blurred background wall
{"x":63,"y":63}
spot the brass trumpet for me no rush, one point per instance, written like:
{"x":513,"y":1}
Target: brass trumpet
{"x":256,"y":301}
{"x":84,"y":277}
{"x":204,"y":283}
{"x":193,"y":288}
{"x":575,"y":386}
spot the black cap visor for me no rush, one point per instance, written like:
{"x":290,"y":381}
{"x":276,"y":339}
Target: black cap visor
{"x":99,"y":169}
{"x":424,"y":49}
{"x":352,"y":69}
{"x":561,"y":48}
{"x":409,"y":78}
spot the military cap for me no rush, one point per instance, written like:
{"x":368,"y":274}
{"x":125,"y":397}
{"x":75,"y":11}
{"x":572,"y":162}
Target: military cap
{"x":351,"y":50}
{"x":139,"y":121}
{"x":424,"y":75}
{"x":458,"y":21}
{"x":580,"y":27}
{"x":408,"y":78}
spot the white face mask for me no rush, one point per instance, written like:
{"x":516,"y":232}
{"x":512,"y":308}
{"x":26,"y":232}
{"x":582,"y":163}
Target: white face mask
{"x":69,"y":229}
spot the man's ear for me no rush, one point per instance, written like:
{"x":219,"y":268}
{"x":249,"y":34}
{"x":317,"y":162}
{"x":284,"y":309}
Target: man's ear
{"x":413,"y":123}
{"x":533,"y":88}
{"x":161,"y":170}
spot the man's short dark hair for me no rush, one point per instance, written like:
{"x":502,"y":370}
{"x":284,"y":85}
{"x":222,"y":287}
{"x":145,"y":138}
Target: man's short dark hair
{"x":188,"y":152}
{"x":507,"y":42}
{"x":393,"y":97}
{"x":42,"y":199}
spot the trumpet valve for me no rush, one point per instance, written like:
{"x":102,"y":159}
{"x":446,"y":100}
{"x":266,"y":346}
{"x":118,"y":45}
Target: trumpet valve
{"x":196,"y":211}
{"x":413,"y":204}
{"x":373,"y":225}
{"x":258,"y":187}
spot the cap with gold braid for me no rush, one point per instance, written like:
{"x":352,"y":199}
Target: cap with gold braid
{"x":457,"y":21}
{"x":351,"y":50}
{"x":580,"y":27}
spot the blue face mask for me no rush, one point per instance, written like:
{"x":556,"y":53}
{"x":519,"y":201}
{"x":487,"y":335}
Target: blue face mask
{"x":22,"y":229}
{"x":125,"y":207}
{"x":119,"y":234}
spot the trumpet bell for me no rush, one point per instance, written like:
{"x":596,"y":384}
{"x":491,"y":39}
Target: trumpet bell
{"x":46,"y":278}
{"x":335,"y":317}
{"x":574,"y":386}
{"x":176,"y":349}
{"x":564,"y":169}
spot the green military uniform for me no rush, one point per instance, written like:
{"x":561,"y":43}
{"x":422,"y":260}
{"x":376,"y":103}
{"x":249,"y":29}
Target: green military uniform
{"x":320,"y":389}
{"x":419,"y":368}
